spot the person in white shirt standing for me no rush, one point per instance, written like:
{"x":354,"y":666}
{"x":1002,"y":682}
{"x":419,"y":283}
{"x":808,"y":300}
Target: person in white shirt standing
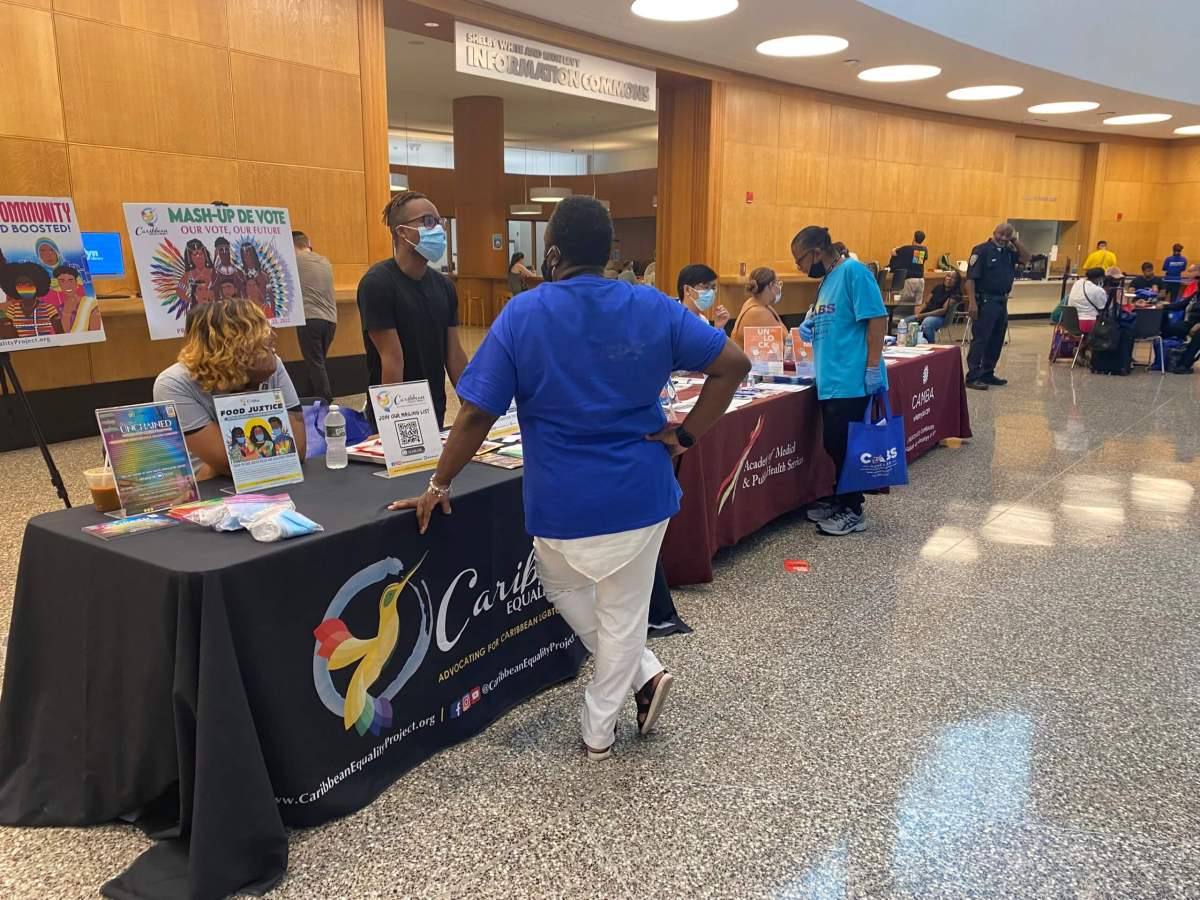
{"x":320,"y":313}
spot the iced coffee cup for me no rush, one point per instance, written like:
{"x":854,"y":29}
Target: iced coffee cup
{"x":103,"y":487}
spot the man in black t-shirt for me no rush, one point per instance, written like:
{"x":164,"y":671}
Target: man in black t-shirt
{"x":912,"y":257}
{"x":409,"y":310}
{"x":1148,"y":281}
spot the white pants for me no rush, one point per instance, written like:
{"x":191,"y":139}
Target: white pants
{"x":601,"y":586}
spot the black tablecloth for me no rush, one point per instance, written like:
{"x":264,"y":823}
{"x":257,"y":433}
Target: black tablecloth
{"x":175,"y":674}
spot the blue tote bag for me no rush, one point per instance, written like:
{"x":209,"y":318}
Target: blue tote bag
{"x":875,"y":455}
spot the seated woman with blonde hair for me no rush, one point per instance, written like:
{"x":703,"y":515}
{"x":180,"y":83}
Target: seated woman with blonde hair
{"x":763,"y":291}
{"x":228,"y":348}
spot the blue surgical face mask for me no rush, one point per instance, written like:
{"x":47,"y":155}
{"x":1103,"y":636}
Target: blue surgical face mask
{"x":278,"y":432}
{"x":778,"y":294}
{"x":432,"y":242}
{"x":240,"y":440}
{"x":705,"y":299}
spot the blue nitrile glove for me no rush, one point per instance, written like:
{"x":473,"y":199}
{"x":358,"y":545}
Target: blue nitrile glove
{"x":806,"y":331}
{"x":873,"y":380}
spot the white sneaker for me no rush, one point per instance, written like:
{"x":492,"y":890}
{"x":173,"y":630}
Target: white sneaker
{"x":843,"y":522}
{"x":821,"y":510}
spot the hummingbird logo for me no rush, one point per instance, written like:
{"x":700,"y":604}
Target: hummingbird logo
{"x":337,"y":648}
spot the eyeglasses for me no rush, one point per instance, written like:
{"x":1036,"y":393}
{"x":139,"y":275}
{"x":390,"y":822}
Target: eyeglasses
{"x":804,"y":255}
{"x":427,"y":221}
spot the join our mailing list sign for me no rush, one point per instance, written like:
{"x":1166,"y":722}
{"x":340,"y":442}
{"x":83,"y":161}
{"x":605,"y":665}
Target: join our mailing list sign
{"x":505,"y":57}
{"x":407,"y":426}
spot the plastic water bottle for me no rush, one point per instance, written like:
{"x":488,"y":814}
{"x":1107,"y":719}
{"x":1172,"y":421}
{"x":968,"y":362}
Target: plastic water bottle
{"x":789,"y":351}
{"x":902,"y":333}
{"x":335,"y":438}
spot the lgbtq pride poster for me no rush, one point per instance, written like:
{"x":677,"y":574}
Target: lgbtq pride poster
{"x":46,"y":293}
{"x":149,"y":457}
{"x":188,"y":254}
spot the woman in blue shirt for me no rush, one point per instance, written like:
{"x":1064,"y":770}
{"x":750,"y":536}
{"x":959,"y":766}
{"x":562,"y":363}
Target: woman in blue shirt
{"x":846,"y":329}
{"x":585,"y":358}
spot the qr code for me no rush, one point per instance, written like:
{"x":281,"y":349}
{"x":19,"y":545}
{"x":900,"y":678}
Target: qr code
{"x":408,"y":432}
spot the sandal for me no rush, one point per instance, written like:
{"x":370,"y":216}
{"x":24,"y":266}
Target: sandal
{"x":651,"y":698}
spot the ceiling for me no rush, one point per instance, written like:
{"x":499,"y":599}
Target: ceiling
{"x":1100,"y":38}
{"x":422,"y":85}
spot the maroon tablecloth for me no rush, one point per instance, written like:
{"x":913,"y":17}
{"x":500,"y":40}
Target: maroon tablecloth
{"x":767,"y":459}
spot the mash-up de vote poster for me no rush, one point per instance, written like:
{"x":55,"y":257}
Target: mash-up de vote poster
{"x":46,"y":293}
{"x":188,"y":254}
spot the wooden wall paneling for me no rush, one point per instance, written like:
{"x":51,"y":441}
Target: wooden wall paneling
{"x":969,"y":231}
{"x":690,"y":167}
{"x":479,"y":176}
{"x":988,"y":150}
{"x":54,"y":367}
{"x":105,"y":177}
{"x":803,"y":178}
{"x":127,"y":351}
{"x":1047,"y":159}
{"x":1091,"y":187}
{"x":1120,"y":198}
{"x":1126,"y":163}
{"x":896,"y":187}
{"x":787,"y":221}
{"x":195,"y":20}
{"x":939,"y":231}
{"x":850,"y":226}
{"x":932,"y":190}
{"x":944,"y":146}
{"x":749,"y":168}
{"x":804,"y":125}
{"x":853,"y":134}
{"x":296,"y":114}
{"x":372,"y":68}
{"x":438,"y":185}
{"x":635,"y":238}
{"x":346,"y":275}
{"x":348,"y":339}
{"x":32,"y":105}
{"x":888,"y":231}
{"x":112,"y":98}
{"x":752,"y":117}
{"x":34,"y":168}
{"x":39,"y":4}
{"x":326,"y":204}
{"x":322,"y":33}
{"x":851,"y":182}
{"x":899,"y":139}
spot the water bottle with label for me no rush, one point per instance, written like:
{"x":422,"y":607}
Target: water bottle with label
{"x":335,"y":438}
{"x":902,"y":333}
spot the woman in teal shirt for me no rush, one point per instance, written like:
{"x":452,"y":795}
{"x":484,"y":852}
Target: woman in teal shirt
{"x":846,"y":329}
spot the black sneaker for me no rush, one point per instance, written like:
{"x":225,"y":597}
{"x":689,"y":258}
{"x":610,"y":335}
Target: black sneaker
{"x":977,"y":385}
{"x":993,"y":380}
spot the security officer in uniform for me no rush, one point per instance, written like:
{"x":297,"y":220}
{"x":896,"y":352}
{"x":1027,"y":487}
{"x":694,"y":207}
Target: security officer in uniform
{"x":990,"y":277}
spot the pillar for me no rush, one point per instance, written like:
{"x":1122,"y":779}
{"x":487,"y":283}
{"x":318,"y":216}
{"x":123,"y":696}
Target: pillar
{"x":481,"y":210}
{"x":372,"y":67}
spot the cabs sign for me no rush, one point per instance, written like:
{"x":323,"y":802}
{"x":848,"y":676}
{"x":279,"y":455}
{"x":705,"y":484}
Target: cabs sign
{"x":505,"y":57}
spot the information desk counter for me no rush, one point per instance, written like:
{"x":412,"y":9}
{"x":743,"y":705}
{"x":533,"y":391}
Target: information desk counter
{"x":176,"y":672}
{"x":767,"y":459}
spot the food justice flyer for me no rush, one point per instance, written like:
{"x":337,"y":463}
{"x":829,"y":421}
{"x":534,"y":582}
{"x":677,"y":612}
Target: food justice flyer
{"x":258,"y":439}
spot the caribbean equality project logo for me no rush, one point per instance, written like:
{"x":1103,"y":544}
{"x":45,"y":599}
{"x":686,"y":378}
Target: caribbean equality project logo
{"x":337,"y":648}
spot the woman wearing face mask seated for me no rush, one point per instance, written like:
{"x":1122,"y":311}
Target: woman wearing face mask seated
{"x":696,"y":288}
{"x":763,"y":291}
{"x":228,"y":347}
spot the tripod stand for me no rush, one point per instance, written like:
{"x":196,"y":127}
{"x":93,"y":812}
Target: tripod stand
{"x":7,"y":374}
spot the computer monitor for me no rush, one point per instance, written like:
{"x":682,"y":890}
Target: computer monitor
{"x":104,"y":256}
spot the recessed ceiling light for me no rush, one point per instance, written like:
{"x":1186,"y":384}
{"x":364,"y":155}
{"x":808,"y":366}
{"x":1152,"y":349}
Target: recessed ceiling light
{"x":899,"y":73}
{"x":986,"y":92}
{"x":1188,"y":129}
{"x":432,"y":24}
{"x":682,"y":10}
{"x":1063,"y":107}
{"x":803,"y":45}
{"x":1137,"y":119}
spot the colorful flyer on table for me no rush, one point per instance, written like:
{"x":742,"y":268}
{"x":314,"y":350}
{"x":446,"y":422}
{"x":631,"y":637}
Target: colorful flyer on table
{"x":407,"y":426}
{"x":149,"y":457}
{"x":106,"y":531}
{"x":764,"y":345}
{"x":258,"y":439}
{"x":194,"y":253}
{"x":46,"y":294}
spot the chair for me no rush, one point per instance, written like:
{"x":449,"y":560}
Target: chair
{"x":1148,"y":327}
{"x":948,"y":320}
{"x":1069,"y":323}
{"x":475,"y":305}
{"x":899,"y":276}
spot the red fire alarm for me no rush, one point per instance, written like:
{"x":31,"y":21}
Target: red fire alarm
{"x":1120,"y":216}
{"x":749,"y":196}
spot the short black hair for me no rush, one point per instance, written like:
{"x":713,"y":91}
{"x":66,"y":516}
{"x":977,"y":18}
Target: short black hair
{"x":582,"y":230}
{"x":1094,"y":273}
{"x":1176,"y":248}
{"x":66,"y":270}
{"x":919,"y":237}
{"x":300,"y":239}
{"x":1147,"y":265}
{"x":1100,"y":243}
{"x":391,"y":212}
{"x":275,"y":420}
{"x":690,"y":276}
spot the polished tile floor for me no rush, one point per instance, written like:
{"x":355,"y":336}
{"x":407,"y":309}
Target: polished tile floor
{"x":994,"y":692}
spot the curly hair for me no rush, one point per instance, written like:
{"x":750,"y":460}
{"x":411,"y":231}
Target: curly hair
{"x":222,"y":340}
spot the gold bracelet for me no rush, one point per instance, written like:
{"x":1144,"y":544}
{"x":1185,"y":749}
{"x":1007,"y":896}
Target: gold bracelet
{"x":437,"y":490}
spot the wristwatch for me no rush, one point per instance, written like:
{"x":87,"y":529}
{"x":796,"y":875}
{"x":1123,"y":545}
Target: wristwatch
{"x":685,"y":439}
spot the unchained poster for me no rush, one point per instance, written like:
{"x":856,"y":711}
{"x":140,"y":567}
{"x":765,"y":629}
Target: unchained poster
{"x":188,"y":254}
{"x":46,"y":294}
